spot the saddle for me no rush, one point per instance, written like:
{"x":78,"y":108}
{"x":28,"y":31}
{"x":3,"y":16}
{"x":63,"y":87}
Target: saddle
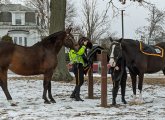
{"x":151,"y":50}
{"x":91,"y":56}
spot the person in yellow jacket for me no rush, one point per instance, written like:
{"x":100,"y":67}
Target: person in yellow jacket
{"x":76,"y":57}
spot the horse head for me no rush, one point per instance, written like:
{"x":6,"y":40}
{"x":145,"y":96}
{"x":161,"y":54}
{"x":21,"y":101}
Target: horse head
{"x":83,"y":39}
{"x":116,"y":60}
{"x":115,"y":51}
{"x":69,"y":41}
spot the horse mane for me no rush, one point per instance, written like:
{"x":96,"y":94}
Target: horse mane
{"x":50,"y":40}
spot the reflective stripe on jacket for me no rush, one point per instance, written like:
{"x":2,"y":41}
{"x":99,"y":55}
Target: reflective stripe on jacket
{"x":76,"y":57}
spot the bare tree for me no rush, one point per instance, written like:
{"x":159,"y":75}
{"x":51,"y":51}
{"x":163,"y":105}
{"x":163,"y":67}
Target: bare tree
{"x":5,"y":2}
{"x":53,"y":16}
{"x":155,"y":29}
{"x":70,"y":13}
{"x":123,"y":2}
{"x":57,"y":23}
{"x":95,"y":24}
{"x":43,"y":8}
{"x":139,"y":1}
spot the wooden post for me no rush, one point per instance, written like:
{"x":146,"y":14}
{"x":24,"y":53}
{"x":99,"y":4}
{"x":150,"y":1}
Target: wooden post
{"x":104,"y":79}
{"x":90,"y":83}
{"x":103,"y":58}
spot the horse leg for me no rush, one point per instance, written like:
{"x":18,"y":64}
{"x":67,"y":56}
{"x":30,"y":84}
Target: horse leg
{"x":115,"y":91}
{"x":133,"y":77}
{"x":140,"y":85}
{"x":3,"y":81}
{"x":163,"y":71}
{"x":46,"y":85}
{"x":123,"y":86}
{"x":50,"y":93}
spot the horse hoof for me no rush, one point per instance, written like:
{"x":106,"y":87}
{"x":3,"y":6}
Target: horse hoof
{"x":47,"y":102}
{"x":52,"y":101}
{"x":124,"y":102}
{"x":13,"y":104}
{"x":113,"y":103}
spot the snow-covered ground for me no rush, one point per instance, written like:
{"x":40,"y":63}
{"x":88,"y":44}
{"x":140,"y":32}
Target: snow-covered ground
{"x":28,"y":94}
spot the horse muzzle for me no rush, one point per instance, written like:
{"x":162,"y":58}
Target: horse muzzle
{"x":112,"y":63}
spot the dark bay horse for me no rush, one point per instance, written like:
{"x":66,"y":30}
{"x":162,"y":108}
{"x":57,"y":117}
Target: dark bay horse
{"x":41,"y":58}
{"x":119,"y":77}
{"x":92,"y":56}
{"x":137,"y":62}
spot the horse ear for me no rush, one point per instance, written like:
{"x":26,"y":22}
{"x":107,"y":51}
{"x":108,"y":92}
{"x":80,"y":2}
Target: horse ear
{"x":68,"y":30}
{"x":110,"y":39}
{"x":120,"y":40}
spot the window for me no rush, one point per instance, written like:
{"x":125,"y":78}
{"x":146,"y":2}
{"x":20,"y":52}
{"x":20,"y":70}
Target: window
{"x":5,"y":17}
{"x":25,"y":41}
{"x":18,"y":19}
{"x":15,"y":40}
{"x":20,"y":40}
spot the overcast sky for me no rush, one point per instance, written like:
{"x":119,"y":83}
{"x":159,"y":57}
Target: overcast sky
{"x":134,"y":15}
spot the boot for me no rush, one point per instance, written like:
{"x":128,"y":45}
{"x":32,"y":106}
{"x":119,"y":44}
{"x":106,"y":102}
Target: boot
{"x":77,"y":95}
{"x":73,"y":93}
{"x":77,"y":98}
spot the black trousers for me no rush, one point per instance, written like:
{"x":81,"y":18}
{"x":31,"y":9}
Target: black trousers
{"x":79,"y":75}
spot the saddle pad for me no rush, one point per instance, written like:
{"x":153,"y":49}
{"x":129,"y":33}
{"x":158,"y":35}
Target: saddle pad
{"x":151,"y":50}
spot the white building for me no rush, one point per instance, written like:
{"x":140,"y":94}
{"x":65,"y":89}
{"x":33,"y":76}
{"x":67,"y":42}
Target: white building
{"x":20,"y":22}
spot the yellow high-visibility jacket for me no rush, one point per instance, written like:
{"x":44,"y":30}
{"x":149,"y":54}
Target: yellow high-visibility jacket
{"x":76,"y":57}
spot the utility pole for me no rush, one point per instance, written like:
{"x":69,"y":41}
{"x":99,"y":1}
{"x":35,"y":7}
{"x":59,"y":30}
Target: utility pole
{"x":122,"y":21}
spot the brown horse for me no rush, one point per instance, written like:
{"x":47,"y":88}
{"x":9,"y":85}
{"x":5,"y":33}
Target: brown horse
{"x":41,"y":58}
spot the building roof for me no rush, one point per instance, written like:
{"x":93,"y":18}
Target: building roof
{"x":14,"y":7}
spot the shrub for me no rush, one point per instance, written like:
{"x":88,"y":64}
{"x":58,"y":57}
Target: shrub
{"x":7,"y":38}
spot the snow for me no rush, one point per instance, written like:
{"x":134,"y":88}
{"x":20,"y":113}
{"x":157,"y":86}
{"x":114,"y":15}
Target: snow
{"x":28,"y":95}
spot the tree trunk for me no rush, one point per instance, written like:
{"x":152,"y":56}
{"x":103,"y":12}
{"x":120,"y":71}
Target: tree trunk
{"x":57,"y":23}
